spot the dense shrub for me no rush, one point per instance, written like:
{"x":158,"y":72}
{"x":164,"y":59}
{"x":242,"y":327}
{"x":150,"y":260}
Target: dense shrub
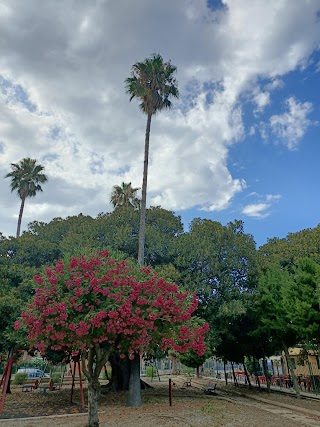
{"x":19,"y":378}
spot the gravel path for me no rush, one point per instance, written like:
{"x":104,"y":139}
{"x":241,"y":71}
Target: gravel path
{"x":191,"y":408}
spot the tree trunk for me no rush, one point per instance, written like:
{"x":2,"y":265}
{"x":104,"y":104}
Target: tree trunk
{"x":20,"y":217}
{"x":144,"y":194}
{"x":120,"y":374}
{"x":256,"y":373}
{"x":318,"y":347}
{"x":174,"y":361}
{"x":235,"y":381}
{"x":93,"y":402}
{"x":91,"y":368}
{"x":266,"y":373}
{"x":247,"y":375}
{"x":198,"y":371}
{"x":225,"y":373}
{"x":134,"y":395}
{"x":292,"y":373}
{"x":9,"y":382}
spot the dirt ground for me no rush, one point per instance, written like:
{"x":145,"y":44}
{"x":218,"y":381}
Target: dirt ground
{"x":190,"y":408}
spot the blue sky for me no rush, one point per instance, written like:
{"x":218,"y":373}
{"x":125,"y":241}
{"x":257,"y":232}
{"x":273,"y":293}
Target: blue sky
{"x":241,"y":143}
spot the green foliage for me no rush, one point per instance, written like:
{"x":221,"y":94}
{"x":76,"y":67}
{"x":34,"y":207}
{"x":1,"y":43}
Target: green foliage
{"x":10,"y":308}
{"x":151,"y":371}
{"x":56,"y":378}
{"x":219,"y":263}
{"x":192,"y":359}
{"x":26,"y":177}
{"x":288,"y":251}
{"x":19,"y":378}
{"x":124,"y":196}
{"x":272,"y":328}
{"x":302,"y":300}
{"x":152,"y":82}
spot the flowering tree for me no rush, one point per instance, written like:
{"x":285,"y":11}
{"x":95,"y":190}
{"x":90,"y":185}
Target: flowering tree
{"x":94,"y":305}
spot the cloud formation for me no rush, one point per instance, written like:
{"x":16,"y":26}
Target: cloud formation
{"x":291,"y":126}
{"x":262,"y":208}
{"x":62,"y":97}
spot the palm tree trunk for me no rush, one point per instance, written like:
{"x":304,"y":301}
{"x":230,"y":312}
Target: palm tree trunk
{"x":142,"y":227}
{"x":20,"y":217}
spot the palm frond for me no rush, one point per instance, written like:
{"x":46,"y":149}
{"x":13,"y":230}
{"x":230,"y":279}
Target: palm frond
{"x":153,"y":83}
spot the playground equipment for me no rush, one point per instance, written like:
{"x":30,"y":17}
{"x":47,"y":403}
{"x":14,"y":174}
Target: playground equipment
{"x":74,"y":366}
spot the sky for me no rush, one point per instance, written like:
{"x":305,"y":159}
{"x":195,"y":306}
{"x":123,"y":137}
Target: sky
{"x":242,"y":141}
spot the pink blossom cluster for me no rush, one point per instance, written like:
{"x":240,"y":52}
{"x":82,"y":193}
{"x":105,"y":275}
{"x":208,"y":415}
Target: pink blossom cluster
{"x":96,"y":299}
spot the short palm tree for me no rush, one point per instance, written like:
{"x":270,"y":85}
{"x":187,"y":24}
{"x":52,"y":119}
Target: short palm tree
{"x":124,"y":195}
{"x":26,"y":177}
{"x":153,"y":83}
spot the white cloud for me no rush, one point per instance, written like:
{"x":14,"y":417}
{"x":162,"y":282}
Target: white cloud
{"x":262,"y":208}
{"x":257,"y":210}
{"x":274,"y":84}
{"x":66,"y":104}
{"x":291,"y":126}
{"x":273,"y":197}
{"x":261,"y":99}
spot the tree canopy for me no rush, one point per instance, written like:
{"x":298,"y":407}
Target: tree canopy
{"x":94,"y":304}
{"x":125,"y":196}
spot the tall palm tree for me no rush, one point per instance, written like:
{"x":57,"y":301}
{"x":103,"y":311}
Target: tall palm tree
{"x":153,"y":83}
{"x":124,"y":195}
{"x":26,"y":177}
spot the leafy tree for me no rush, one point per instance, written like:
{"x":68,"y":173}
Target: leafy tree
{"x":94,"y":304}
{"x":273,"y":330}
{"x":302,"y":301}
{"x":216,"y":260}
{"x":153,"y":83}
{"x":287,"y":251}
{"x":26,"y":177}
{"x":124,"y":195}
{"x":219,"y":263}
{"x":192,"y":359}
{"x":10,"y":308}
{"x":120,"y":230}
{"x":29,"y":251}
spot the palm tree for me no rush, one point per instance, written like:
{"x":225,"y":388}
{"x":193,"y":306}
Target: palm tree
{"x":124,"y":195}
{"x":26,"y":177}
{"x":153,"y":83}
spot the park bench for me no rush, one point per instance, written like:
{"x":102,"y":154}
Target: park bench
{"x":27,"y":387}
{"x":210,"y":388}
{"x":48,"y":387}
{"x":187,"y":382}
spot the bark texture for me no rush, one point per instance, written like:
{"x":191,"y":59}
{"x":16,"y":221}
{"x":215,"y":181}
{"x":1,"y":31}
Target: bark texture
{"x":134,"y":395}
{"x":292,"y":373}
{"x":20,"y":217}
{"x":142,"y":226}
{"x":92,"y":363}
{"x":93,"y":402}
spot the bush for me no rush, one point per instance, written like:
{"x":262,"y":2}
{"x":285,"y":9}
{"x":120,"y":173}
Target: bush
{"x":56,"y":379}
{"x":149,"y":370}
{"x":20,"y":378}
{"x":103,"y":374}
{"x":186,"y":370}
